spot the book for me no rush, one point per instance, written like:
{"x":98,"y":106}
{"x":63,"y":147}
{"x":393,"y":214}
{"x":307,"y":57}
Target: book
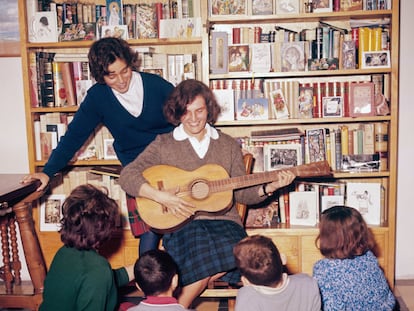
{"x":381,"y":143}
{"x":68,"y":83}
{"x":291,"y":133}
{"x":58,"y":85}
{"x":110,"y":170}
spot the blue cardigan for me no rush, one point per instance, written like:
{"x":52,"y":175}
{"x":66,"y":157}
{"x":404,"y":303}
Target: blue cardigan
{"x":131,"y":134}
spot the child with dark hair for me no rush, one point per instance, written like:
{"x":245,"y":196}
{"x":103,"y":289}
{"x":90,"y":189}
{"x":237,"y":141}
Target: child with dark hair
{"x":349,"y":276}
{"x":79,"y":278}
{"x":156,"y":274}
{"x":266,"y":286}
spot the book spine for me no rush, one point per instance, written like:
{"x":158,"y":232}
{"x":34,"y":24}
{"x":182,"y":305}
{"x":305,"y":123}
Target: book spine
{"x":381,"y":143}
{"x":67,"y":78}
{"x":34,"y":87}
{"x":338,"y":150}
{"x":47,"y":91}
{"x":58,"y":85}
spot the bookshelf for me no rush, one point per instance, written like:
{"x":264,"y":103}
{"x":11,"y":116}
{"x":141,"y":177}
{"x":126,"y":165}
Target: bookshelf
{"x":298,"y":241}
{"x":182,"y":46}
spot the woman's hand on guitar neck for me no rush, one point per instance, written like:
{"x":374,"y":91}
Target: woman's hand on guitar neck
{"x":170,"y":201}
{"x":284,"y":178}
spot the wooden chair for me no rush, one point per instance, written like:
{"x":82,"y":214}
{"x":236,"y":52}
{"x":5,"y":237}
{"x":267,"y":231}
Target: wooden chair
{"x":17,"y":294}
{"x":219,"y":288}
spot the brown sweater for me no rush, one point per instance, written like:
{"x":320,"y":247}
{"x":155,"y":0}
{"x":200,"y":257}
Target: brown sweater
{"x":224,"y":151}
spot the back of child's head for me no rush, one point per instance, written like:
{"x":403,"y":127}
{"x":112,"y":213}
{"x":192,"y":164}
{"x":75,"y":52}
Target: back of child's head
{"x":259,"y":261}
{"x":343,"y":233}
{"x":154,"y":271}
{"x":89,"y":218}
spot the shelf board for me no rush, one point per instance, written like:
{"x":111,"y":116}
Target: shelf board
{"x":307,"y":17}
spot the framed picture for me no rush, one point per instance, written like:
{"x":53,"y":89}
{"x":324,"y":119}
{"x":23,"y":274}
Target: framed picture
{"x":303,"y":208}
{"x":322,"y":6}
{"x":293,"y":56}
{"x":282,"y":156}
{"x":219,"y":57}
{"x":51,"y":212}
{"x":332,"y":106}
{"x":349,"y":54}
{"x":44,"y":27}
{"x":287,"y":6}
{"x":262,"y":7}
{"x":377,"y":59}
{"x":366,"y":198}
{"x":238,"y":58}
{"x":227,"y":7}
{"x":316,"y":144}
{"x":252,"y":109}
{"x":9,"y":29}
{"x":279,"y":106}
{"x":118,"y":31}
{"x":361,"y":99}
{"x":109,"y":151}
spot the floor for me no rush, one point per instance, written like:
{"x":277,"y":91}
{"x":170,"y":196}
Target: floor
{"x":404,"y":292}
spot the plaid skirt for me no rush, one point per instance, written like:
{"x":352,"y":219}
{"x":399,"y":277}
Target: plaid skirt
{"x":203,"y":248}
{"x":138,"y":226}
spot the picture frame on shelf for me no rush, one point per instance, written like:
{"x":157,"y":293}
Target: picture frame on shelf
{"x":376,"y":59}
{"x":238,"y":56}
{"x":281,"y":156}
{"x":332,"y":106}
{"x":51,"y":212}
{"x":303,"y":208}
{"x":118,"y":31}
{"x":278,"y":103}
{"x":44,"y":27}
{"x":252,"y":109}
{"x":227,"y":8}
{"x":109,"y":151}
{"x":287,"y":6}
{"x":262,"y":7}
{"x":361,"y":101}
{"x":219,"y":52}
{"x":322,"y":6}
{"x":366,"y":198}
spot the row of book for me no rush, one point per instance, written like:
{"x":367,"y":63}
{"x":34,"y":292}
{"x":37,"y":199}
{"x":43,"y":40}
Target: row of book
{"x":59,"y":79}
{"x":50,"y":128}
{"x":281,"y":7}
{"x":302,"y":203}
{"x":238,"y":48}
{"x":64,"y":182}
{"x":301,"y":98}
{"x":72,"y":21}
{"x":358,"y":148}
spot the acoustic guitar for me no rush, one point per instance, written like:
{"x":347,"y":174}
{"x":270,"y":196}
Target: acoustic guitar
{"x":209,"y":188}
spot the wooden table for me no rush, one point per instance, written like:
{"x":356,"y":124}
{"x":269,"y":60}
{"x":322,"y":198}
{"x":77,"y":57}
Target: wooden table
{"x":16,"y":206}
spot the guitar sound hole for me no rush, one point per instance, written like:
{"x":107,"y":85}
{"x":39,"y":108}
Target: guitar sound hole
{"x":199,"y":190}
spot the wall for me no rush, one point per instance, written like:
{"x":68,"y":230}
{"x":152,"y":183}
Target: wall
{"x":13,"y":157}
{"x":405,"y":211}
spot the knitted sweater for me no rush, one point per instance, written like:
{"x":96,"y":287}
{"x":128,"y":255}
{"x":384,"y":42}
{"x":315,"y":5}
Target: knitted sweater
{"x":131,"y":134}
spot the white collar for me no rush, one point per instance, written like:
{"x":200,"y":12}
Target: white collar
{"x":180,"y":134}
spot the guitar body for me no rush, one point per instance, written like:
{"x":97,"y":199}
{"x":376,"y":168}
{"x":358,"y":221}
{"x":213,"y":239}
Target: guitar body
{"x":209,"y":188}
{"x":191,"y":186}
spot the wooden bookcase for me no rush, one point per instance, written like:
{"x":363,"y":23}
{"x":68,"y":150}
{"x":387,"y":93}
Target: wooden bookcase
{"x":298,"y":243}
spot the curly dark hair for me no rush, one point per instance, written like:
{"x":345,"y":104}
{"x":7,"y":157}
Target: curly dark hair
{"x":343,"y":233}
{"x":89,"y":217}
{"x":105,"y":52}
{"x":183,"y":95}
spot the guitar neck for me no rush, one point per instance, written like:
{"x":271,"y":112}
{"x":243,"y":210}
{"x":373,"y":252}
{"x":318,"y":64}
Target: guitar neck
{"x":315,"y":169}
